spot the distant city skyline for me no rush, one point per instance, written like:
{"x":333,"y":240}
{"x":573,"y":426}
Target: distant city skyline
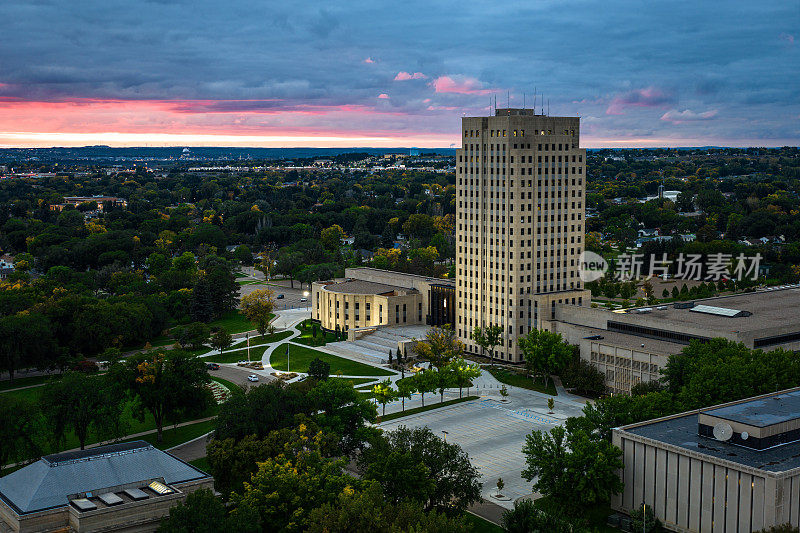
{"x":387,"y":74}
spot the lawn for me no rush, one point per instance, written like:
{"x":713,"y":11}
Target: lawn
{"x":233,"y":387}
{"x":428,"y":407}
{"x":202,"y":464}
{"x":264,"y":339}
{"x":306,"y":329}
{"x":301,"y":356}
{"x":359,"y":381}
{"x":233,"y":322}
{"x":26,"y":382}
{"x":173,"y":436}
{"x":481,"y":525}
{"x":517,"y":379}
{"x":235,"y":356}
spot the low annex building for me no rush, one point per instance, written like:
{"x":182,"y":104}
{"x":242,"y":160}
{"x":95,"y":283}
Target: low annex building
{"x":734,"y":467}
{"x":369,"y":297}
{"x":120,"y":487}
{"x":632,"y":346}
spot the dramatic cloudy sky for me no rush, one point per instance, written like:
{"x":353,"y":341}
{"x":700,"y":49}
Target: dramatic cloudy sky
{"x":394,"y":73}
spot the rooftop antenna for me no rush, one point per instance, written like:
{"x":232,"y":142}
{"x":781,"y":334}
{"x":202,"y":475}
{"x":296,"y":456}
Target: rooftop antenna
{"x":508,"y":101}
{"x":523,"y":100}
{"x":534,"y":99}
{"x":548,"y":107}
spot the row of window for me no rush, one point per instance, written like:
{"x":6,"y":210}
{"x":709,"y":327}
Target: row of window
{"x":530,"y":172}
{"x":502,"y":206}
{"x":515,"y":133}
{"x":520,"y":159}
{"x":469,"y":182}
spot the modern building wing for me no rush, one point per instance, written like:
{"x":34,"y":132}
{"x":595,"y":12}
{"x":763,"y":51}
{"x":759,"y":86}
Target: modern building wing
{"x":733,"y":467}
{"x":520,"y":182}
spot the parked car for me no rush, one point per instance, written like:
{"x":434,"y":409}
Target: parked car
{"x":252,"y":377}
{"x":303,"y":299}
{"x":279,"y":297}
{"x":212,"y":366}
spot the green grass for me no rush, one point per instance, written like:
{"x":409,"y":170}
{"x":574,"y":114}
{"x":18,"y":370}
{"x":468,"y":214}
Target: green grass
{"x":202,"y":464}
{"x":235,"y":356}
{"x":358,"y":381}
{"x":233,"y":387}
{"x":31,"y":394}
{"x":264,"y":339}
{"x":481,"y":525}
{"x":174,"y":436}
{"x":517,"y":379}
{"x":306,"y":329}
{"x":26,"y":382}
{"x":301,"y":356}
{"x":428,"y":407}
{"x":232,"y":322}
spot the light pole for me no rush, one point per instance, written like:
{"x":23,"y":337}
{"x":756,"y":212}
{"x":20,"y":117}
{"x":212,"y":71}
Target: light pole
{"x":306,"y":294}
{"x":248,"y":347}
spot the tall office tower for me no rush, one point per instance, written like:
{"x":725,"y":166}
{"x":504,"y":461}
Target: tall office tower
{"x":520,"y":181}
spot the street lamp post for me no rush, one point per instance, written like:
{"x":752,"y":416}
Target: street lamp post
{"x":305,"y":294}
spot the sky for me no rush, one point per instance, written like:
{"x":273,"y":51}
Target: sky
{"x":388,"y":74}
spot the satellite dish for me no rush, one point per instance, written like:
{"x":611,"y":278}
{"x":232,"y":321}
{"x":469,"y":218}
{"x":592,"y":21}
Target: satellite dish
{"x":744,"y":435}
{"x":723,"y":431}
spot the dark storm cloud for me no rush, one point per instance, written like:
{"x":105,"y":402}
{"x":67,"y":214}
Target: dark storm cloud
{"x":622,"y":65}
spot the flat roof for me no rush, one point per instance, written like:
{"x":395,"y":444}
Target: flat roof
{"x":682,"y":431}
{"x":769,"y":308}
{"x":762,"y":412}
{"x":633,"y":342}
{"x":357,"y":286}
{"x":429,"y":279}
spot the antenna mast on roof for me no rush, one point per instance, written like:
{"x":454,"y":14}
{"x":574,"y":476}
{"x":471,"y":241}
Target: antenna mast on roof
{"x":548,"y":107}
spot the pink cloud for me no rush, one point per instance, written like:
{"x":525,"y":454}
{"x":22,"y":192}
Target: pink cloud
{"x":403,"y":76}
{"x":648,"y":97}
{"x":459,"y":85}
{"x":369,"y":60}
{"x":383,"y":96}
{"x":687,"y":115}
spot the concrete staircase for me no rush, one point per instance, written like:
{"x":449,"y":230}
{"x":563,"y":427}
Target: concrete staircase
{"x":375,"y":347}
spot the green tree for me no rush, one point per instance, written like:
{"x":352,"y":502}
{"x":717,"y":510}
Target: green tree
{"x":192,"y":336}
{"x":423,"y":382}
{"x":545,"y":352}
{"x":221,"y":340}
{"x":260,"y":410}
{"x":405,"y":388}
{"x":464,"y":373}
{"x":21,"y":428}
{"x":257,"y":307}
{"x":319,"y":369}
{"x":202,"y":512}
{"x":526,"y":518}
{"x":168,"y":385}
{"x":342,"y":409}
{"x":384,"y":393}
{"x":26,"y":340}
{"x":488,"y":338}
{"x":440,"y":346}
{"x":644,"y":519}
{"x":331,"y":237}
{"x":415,"y":463}
{"x":80,"y":403}
{"x":572,"y":468}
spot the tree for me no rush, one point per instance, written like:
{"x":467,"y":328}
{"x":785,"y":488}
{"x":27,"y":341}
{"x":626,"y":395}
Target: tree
{"x":21,"y":424}
{"x":384,"y":393}
{"x":202,"y":512}
{"x":405,"y":388}
{"x":665,"y":293}
{"x":551,"y":404}
{"x":257,"y":307}
{"x":464,"y":373}
{"x":571,"y":468}
{"x":285,"y":489}
{"x":500,"y":486}
{"x":424,"y":381}
{"x":79,"y":402}
{"x":342,"y":409}
{"x":545,"y":352}
{"x":415,"y":463}
{"x":331,"y":237}
{"x":440,"y":347}
{"x":26,"y":340}
{"x":192,"y":336}
{"x":644,"y":519}
{"x":504,"y":391}
{"x":525,"y":517}
{"x":488,"y":338}
{"x":366,"y":511}
{"x":221,"y":340}
{"x":168,"y":385}
{"x":319,"y":369}
{"x":583,"y":377}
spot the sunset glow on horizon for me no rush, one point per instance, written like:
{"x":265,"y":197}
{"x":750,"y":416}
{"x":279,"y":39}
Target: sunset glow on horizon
{"x":321,"y":77}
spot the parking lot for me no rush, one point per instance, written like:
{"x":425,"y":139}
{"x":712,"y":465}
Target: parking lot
{"x":291,"y":296}
{"x":493,"y":434}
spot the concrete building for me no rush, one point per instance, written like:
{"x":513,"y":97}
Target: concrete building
{"x":731,"y":468}
{"x":520,"y":182}
{"x":633,"y":345}
{"x":120,"y":487}
{"x":369,"y":297}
